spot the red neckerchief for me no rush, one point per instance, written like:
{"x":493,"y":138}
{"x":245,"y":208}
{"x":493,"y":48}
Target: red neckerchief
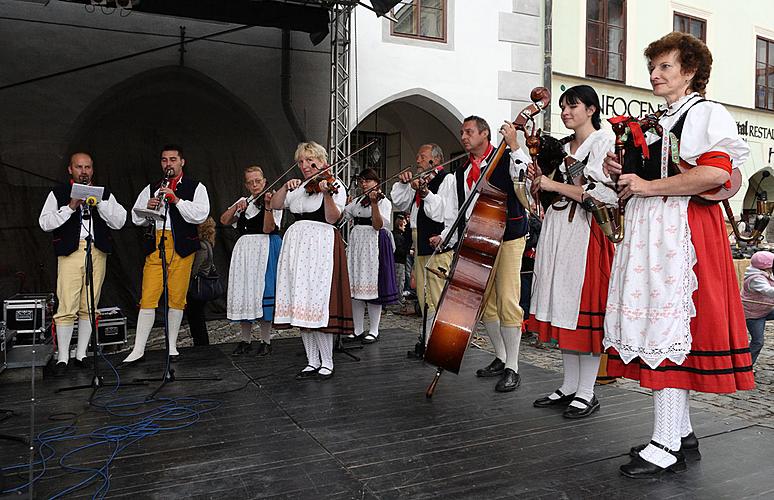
{"x":173,"y":182}
{"x":475,"y":167}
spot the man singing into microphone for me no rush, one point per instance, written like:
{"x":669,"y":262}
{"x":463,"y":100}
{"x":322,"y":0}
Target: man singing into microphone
{"x":69,"y":220}
{"x":188,"y":206}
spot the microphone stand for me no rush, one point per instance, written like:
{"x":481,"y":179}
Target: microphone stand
{"x":96,"y":379}
{"x":169,"y":372}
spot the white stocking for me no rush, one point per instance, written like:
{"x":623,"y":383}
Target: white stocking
{"x":429,"y":325}
{"x":589,"y":366}
{"x":358,"y":315}
{"x":571,"y":363}
{"x":374,"y":316}
{"x":175,"y":317}
{"x":669,"y":405}
{"x":245,"y":331}
{"x":511,"y":336}
{"x":496,"y":337}
{"x":145,"y":320}
{"x":64,"y":334}
{"x":325,"y":344}
{"x":312,"y":351}
{"x":84,"y":335}
{"x":265,"y":331}
{"x":686,"y":428}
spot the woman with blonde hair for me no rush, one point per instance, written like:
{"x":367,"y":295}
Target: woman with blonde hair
{"x":253,"y":271}
{"x":313,"y":291}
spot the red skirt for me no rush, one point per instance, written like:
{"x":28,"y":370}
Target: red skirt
{"x":587,"y":337}
{"x":719,"y":360}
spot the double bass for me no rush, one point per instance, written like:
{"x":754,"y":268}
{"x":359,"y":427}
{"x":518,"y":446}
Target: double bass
{"x":461,"y":302}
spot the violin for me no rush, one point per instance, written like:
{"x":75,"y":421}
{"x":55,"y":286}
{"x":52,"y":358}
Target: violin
{"x":313,"y":186}
{"x":366,"y":200}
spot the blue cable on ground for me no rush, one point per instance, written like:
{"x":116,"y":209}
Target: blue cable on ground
{"x":164,"y":414}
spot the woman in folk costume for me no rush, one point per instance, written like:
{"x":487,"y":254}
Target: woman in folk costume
{"x":572,"y":250}
{"x":312,"y":279}
{"x":253,"y":271}
{"x":370,"y":256}
{"x":674,"y":318}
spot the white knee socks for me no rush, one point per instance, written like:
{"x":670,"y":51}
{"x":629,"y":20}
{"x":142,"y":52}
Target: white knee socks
{"x":511,"y":336}
{"x":496,"y":337}
{"x":325,"y":346}
{"x":311,"y":348}
{"x":64,"y":334}
{"x":571,"y":362}
{"x":84,"y":335}
{"x":374,"y":316}
{"x":358,"y":315}
{"x":174,"y":318}
{"x":145,"y":320}
{"x":669,"y":407}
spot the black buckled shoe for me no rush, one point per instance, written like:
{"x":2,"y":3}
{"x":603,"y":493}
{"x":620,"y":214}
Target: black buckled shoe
{"x":689,"y":445}
{"x":493,"y":369}
{"x":562,"y":400}
{"x":242,"y":348}
{"x":83,"y":364}
{"x":264,"y":349}
{"x":575,"y":412}
{"x":307,"y":374}
{"x":353,"y":338}
{"x":509,"y":381}
{"x":325,"y":376}
{"x":127,"y":364}
{"x":639,"y":468}
{"x":174,"y":358}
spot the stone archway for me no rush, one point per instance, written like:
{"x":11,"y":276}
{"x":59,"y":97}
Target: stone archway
{"x":126,"y":126}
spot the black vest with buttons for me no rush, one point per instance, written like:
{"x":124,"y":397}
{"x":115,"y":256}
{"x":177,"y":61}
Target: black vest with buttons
{"x":184,"y":234}
{"x":253,"y":225}
{"x":427,"y":227}
{"x":68,"y":235}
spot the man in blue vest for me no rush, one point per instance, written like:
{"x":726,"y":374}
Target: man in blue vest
{"x":70,"y":220}
{"x":188,"y":206}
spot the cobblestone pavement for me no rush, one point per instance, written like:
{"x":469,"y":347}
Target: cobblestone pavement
{"x":756,"y":406}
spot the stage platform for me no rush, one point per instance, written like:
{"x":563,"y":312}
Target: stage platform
{"x":369,"y":432}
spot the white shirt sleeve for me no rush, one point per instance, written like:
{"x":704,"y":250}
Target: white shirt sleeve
{"x":595,"y":173}
{"x":340,"y":198}
{"x":195,"y":211}
{"x":448,"y":192}
{"x":519,"y":162}
{"x":112,"y":212}
{"x":277,"y":214}
{"x":53,"y":216}
{"x":141,"y":202}
{"x":385,"y":210}
{"x":402,"y":196}
{"x":710,"y":127}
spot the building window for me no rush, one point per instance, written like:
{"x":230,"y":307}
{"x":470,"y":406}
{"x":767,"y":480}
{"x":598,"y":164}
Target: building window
{"x":693,"y":25}
{"x":606,"y":39}
{"x":764,"y":74}
{"x":422,"y":19}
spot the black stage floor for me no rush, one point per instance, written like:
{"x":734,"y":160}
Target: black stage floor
{"x":369,"y":432}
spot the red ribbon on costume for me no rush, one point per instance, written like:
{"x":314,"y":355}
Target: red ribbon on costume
{"x":638,"y":137}
{"x":475,"y":167}
{"x":717,"y":159}
{"x":173,"y":186}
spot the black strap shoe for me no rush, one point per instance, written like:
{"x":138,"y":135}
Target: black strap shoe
{"x":307,"y":374}
{"x":689,"y":445}
{"x":509,"y":381}
{"x":493,"y":369}
{"x":576,"y":412}
{"x":59,"y":369}
{"x":639,"y":468}
{"x":562,"y":400}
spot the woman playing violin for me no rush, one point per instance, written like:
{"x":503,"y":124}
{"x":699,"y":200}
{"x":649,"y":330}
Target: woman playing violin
{"x":253,"y":271}
{"x":674,"y":318}
{"x":573,"y":250}
{"x":370,"y":256}
{"x":312,"y":279}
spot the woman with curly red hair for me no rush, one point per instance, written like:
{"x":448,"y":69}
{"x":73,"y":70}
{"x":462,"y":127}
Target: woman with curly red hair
{"x":674,"y":320}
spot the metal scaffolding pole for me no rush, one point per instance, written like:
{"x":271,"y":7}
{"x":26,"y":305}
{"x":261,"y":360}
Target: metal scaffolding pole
{"x":339,"y":143}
